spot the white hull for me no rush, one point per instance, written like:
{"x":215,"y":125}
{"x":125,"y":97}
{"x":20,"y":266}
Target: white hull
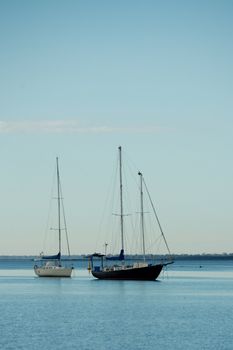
{"x":53,"y":271}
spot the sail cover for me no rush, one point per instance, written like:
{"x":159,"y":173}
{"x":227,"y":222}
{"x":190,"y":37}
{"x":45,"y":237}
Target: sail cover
{"x":52,"y":257}
{"x":118,"y":257}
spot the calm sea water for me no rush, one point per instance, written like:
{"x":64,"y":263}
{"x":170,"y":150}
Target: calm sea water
{"x":190,"y":307}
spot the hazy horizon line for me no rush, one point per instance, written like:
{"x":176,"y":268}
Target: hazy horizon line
{"x":84,"y":255}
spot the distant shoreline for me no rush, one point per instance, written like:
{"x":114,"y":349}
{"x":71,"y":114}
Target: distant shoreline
{"x":206,"y":256}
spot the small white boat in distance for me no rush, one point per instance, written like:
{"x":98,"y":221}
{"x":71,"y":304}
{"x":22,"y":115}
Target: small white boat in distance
{"x":53,"y":265}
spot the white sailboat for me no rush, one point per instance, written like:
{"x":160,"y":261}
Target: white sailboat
{"x":53,"y":266}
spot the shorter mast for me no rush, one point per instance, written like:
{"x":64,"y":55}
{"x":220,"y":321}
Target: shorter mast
{"x":142,"y":218}
{"x":59,"y":208}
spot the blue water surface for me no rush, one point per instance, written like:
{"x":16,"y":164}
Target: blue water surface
{"x":189,"y":307}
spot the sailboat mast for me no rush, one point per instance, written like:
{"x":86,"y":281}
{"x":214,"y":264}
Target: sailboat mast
{"x":142,"y":217}
{"x":59,"y":207}
{"x":121,"y":201}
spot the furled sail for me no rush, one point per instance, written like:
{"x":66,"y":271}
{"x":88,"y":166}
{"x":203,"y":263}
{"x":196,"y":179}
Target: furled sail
{"x":118,"y":257}
{"x":52,"y":257}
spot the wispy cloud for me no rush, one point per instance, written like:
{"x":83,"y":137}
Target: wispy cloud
{"x":69,"y":126}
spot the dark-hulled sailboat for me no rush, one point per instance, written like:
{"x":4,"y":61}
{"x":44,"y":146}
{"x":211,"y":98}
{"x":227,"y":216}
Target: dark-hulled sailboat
{"x":141,"y":270}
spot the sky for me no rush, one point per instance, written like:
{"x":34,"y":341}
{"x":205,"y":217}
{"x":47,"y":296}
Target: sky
{"x":79,"y":78}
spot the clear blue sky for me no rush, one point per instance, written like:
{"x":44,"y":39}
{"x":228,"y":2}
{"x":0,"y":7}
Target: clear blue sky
{"x":79,"y":78}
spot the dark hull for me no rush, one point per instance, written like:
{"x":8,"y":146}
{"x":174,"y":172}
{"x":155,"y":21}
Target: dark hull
{"x":148,"y":273}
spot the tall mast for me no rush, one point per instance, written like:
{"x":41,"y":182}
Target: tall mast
{"x":142,"y":217}
{"x":121,"y":201}
{"x":59,"y":206}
